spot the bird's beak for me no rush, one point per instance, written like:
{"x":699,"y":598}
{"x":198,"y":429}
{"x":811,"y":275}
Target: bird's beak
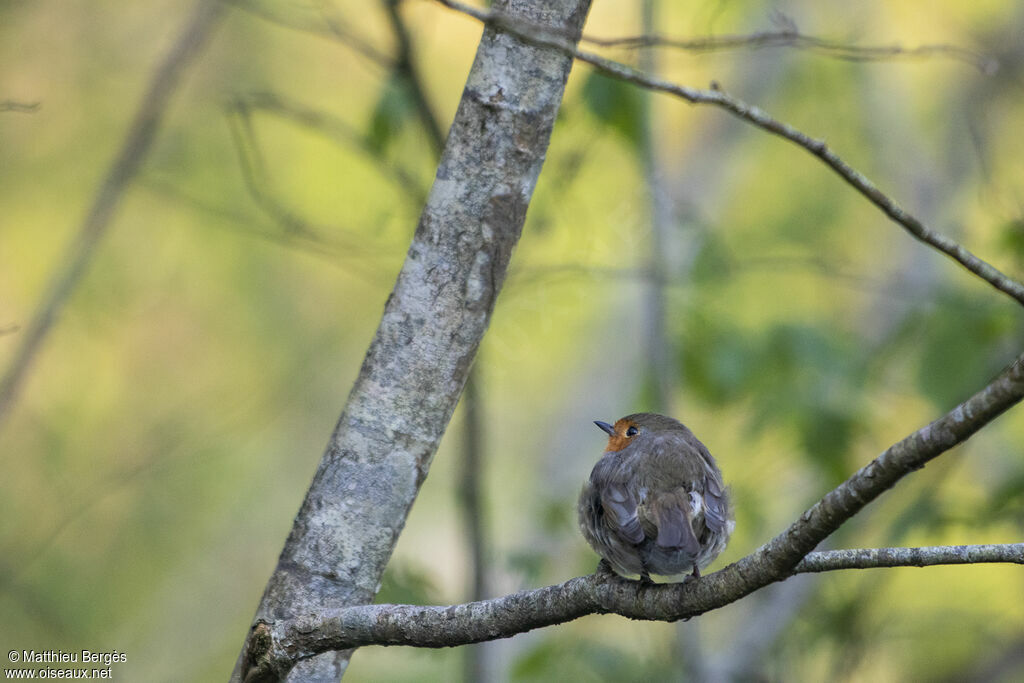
{"x":607,"y":428}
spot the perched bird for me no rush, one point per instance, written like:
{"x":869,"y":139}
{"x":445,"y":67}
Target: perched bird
{"x":655,"y":502}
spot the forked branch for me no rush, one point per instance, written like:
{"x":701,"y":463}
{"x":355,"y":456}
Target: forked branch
{"x":275,"y":647}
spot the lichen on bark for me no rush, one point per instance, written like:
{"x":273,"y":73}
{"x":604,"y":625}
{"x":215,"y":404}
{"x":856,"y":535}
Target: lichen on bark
{"x":418,"y":362}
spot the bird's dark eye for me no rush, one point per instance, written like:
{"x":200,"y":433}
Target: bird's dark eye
{"x":632,"y":431}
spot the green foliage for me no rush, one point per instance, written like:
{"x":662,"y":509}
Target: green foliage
{"x":962,"y":341}
{"x":714,"y":262}
{"x":794,"y":376}
{"x":616,"y":104}
{"x":1006,"y":501}
{"x":1012,"y":239}
{"x":392,"y":113}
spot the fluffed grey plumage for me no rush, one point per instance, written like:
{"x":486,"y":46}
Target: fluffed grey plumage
{"x":655,"y":502}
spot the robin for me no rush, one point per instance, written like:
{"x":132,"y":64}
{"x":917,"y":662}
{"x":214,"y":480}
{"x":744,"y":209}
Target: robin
{"x":655,"y":502}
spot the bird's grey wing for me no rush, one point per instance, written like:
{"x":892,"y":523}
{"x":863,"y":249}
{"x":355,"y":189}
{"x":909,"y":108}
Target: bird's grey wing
{"x":696,"y":498}
{"x":670,"y":514}
{"x":716,"y":505}
{"x":715,"y":496}
{"x":620,"y":506}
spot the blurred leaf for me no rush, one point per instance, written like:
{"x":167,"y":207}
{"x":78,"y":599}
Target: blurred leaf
{"x":826,"y":435}
{"x":924,"y":512}
{"x":713,"y":262}
{"x":843,"y":621}
{"x":1007,"y":499}
{"x":1012,"y":239}
{"x":557,"y":515}
{"x":394,"y":107}
{"x":718,"y":362}
{"x":815,"y":380}
{"x":795,"y":376}
{"x":560,"y":658}
{"x":617,"y":104}
{"x":964,"y":344}
{"x":799,"y":349}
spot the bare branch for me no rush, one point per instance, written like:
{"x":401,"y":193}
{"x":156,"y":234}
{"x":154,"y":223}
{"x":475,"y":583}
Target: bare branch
{"x":758,"y":117}
{"x":277,"y":646}
{"x":928,"y":556}
{"x":134,"y":150}
{"x":477,"y":663}
{"x":788,"y":35}
{"x":416,"y":366}
{"x":291,"y":640}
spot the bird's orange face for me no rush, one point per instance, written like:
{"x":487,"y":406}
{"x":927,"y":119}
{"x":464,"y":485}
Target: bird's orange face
{"x":620,"y":434}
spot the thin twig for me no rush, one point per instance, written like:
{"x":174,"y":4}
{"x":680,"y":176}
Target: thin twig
{"x":340,"y":29}
{"x":533,"y":34}
{"x":328,"y":26}
{"x":21,"y":107}
{"x":257,"y":182}
{"x":134,"y":150}
{"x":407,"y":68}
{"x":928,"y":556}
{"x":370,"y":265}
{"x":732,"y":266}
{"x":333,"y":127}
{"x":791,"y":37}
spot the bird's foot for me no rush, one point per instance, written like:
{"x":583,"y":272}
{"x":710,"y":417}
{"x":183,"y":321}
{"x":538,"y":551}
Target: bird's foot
{"x":604,"y":569}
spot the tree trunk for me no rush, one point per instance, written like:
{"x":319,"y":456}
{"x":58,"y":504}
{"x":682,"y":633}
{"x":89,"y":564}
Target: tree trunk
{"x":440,"y":307}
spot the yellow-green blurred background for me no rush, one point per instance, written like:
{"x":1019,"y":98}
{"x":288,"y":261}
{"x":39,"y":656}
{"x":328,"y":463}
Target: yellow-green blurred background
{"x":174,"y":418}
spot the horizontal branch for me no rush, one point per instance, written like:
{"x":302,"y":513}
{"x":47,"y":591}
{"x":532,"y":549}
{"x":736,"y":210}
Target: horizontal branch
{"x":929,"y":556}
{"x":761,"y":119}
{"x":275,"y":647}
{"x":603,"y":592}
